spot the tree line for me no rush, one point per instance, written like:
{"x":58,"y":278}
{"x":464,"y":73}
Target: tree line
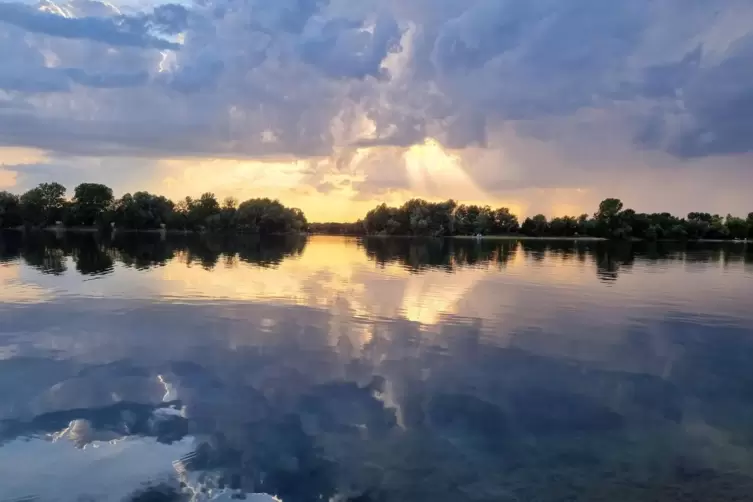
{"x":418,"y":217}
{"x":94,"y":205}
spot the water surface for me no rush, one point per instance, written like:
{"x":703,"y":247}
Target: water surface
{"x":374,"y":371}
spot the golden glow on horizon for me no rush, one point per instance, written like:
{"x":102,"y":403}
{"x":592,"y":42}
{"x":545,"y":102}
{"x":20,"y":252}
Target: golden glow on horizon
{"x":433,"y":172}
{"x":336,"y":275}
{"x":20,"y":155}
{"x":12,"y":156}
{"x":229,"y":177}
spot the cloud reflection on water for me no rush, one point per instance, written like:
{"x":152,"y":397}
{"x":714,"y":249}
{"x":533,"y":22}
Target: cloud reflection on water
{"x":396,"y":370}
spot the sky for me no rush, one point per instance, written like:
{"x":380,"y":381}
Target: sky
{"x":336,"y":105}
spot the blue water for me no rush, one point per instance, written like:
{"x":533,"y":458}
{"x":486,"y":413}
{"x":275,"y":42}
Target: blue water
{"x":333,"y":369}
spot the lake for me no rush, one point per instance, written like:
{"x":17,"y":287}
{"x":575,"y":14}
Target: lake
{"x":148,"y":367}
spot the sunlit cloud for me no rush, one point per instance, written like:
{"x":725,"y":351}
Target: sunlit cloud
{"x":20,"y":155}
{"x":238,"y":178}
{"x":432,"y":170}
{"x":7,"y":178}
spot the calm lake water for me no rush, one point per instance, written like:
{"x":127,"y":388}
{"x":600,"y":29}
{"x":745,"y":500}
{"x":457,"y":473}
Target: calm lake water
{"x":335,"y":369}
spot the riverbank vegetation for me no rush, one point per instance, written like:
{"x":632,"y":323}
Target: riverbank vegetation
{"x":94,"y":205}
{"x":611,"y":221}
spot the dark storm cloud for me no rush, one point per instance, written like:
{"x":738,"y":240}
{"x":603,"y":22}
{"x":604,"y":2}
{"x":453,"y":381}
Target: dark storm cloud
{"x":119,"y":31}
{"x":344,"y":49}
{"x":170,"y":18}
{"x":298,"y":77}
{"x":720,"y":102}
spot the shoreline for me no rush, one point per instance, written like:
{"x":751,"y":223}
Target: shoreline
{"x":534,"y":238}
{"x":168,"y":231}
{"x":507,"y":237}
{"x":528,"y":238}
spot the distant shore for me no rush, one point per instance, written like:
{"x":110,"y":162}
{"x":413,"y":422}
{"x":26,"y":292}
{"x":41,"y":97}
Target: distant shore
{"x":510,"y":237}
{"x":527,"y":238}
{"x":170,"y":231}
{"x":505,"y":237}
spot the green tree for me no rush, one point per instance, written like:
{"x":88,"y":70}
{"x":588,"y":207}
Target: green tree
{"x":43,"y":205}
{"x":472,"y":220}
{"x":698,"y":225}
{"x":484,"y":221}
{"x":564,"y":226}
{"x":613,"y":222}
{"x":737,"y":228}
{"x":504,"y":222}
{"x":608,"y":209}
{"x":536,"y":226}
{"x":465,"y":219}
{"x":383,"y":220}
{"x":202,"y":210}
{"x":143,"y":210}
{"x":638,"y":223}
{"x":90,"y":201}
{"x":583,"y":225}
{"x":230,"y":202}
{"x":416,"y":216}
{"x":10,"y":210}
{"x":678,"y":232}
{"x":717,"y":228}
{"x":225,"y":219}
{"x":33,"y":207}
{"x":663,"y":223}
{"x":266,"y":216}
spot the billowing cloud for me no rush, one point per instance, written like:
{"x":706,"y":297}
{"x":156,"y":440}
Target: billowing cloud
{"x":534,"y":95}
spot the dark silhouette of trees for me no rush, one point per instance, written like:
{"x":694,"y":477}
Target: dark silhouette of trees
{"x":415,"y":217}
{"x":336,"y":228}
{"x":10,"y":210}
{"x":611,"y":221}
{"x":93,"y":205}
{"x":536,"y":226}
{"x":90,"y":202}
{"x":418,"y":217}
{"x":43,"y":205}
{"x":142,"y":210}
{"x":266,"y":216}
{"x":736,"y":227}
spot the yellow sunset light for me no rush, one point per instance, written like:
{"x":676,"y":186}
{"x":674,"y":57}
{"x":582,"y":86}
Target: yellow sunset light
{"x":435,"y":172}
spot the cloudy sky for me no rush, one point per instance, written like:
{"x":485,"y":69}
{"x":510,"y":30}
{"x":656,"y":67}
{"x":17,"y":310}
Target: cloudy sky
{"x":332,"y":105}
